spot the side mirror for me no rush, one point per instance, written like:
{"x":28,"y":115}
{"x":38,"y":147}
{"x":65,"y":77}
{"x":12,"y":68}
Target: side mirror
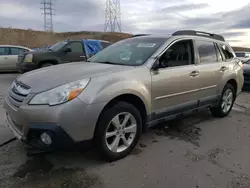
{"x":66,"y":50}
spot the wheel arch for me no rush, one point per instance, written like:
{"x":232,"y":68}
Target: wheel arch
{"x":233,"y":82}
{"x":130,"y":98}
{"x":52,"y":61}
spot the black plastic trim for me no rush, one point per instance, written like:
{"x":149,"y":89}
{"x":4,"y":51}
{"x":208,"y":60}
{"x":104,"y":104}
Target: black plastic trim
{"x":60,"y":139}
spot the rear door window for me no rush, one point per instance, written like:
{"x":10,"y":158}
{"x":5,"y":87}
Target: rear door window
{"x":4,"y":51}
{"x":17,"y":51}
{"x":219,"y":53}
{"x":206,"y":50}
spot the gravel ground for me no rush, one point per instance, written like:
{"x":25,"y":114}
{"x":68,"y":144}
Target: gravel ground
{"x":195,"y":152}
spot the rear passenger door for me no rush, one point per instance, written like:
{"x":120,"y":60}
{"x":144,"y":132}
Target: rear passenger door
{"x":210,"y":75}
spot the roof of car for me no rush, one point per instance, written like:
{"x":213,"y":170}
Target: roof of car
{"x":185,"y":33}
{"x":7,"y":45}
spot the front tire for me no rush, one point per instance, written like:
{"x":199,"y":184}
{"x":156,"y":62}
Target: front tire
{"x":226,"y":102}
{"x":118,"y":131}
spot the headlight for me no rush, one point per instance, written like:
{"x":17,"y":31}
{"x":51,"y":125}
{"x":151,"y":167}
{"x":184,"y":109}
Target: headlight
{"x":60,"y":94}
{"x":28,"y":58}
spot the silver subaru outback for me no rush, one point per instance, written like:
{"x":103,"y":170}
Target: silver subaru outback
{"x":123,"y":90}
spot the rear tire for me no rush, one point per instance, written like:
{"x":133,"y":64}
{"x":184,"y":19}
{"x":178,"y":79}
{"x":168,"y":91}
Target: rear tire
{"x":226,"y":102}
{"x":118,"y":131}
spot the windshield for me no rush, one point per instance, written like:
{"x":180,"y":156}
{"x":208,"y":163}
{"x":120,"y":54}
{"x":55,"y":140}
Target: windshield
{"x":132,"y":51}
{"x":57,"y":46}
{"x":240,"y":54}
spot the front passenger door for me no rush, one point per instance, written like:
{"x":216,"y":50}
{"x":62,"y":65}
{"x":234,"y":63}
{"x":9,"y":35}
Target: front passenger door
{"x":77,"y":52}
{"x":174,"y":84}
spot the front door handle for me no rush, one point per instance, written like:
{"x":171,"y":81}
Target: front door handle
{"x":223,"y":68}
{"x":82,"y":56}
{"x":5,"y":57}
{"x":194,"y":73}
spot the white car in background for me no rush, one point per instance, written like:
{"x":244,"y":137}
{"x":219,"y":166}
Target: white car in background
{"x":9,"y":55}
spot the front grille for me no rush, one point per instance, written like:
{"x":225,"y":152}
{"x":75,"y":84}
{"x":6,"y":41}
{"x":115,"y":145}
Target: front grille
{"x":246,"y":77}
{"x":16,"y":95}
{"x":21,"y":56}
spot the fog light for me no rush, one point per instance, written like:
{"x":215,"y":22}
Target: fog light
{"x":46,"y":139}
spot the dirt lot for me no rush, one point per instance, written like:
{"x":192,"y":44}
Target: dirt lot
{"x":196,"y":152}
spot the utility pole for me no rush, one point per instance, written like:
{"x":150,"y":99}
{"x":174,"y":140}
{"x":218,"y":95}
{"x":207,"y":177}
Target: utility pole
{"x":113,"y":16}
{"x":47,"y":7}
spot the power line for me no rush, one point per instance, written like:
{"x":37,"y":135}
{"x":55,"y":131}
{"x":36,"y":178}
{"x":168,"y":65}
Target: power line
{"x":47,"y":7}
{"x":113,"y":16}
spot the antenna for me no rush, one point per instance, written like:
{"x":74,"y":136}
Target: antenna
{"x":112,"y":16}
{"x":47,"y":7}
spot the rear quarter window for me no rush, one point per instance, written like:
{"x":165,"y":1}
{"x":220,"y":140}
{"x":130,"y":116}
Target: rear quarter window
{"x":226,"y":51}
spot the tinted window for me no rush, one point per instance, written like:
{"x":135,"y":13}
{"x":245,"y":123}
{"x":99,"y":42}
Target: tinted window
{"x":16,"y":51}
{"x":247,"y":62}
{"x":132,"y":51}
{"x":57,"y":46}
{"x":4,"y":51}
{"x":226,"y":51}
{"x":206,"y":51}
{"x":219,"y":55}
{"x":179,"y":54}
{"x":105,"y":44}
{"x":76,"y":47}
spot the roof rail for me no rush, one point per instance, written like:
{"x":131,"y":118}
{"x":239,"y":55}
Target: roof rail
{"x":138,"y":35}
{"x":199,"y":33}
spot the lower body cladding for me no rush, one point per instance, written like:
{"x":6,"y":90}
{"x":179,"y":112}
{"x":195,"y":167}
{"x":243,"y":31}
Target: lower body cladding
{"x":53,"y":127}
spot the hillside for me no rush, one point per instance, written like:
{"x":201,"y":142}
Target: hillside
{"x":33,"y":39}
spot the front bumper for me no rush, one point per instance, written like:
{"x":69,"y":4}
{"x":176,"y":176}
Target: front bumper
{"x":60,"y":139}
{"x":24,"y":66}
{"x":68,"y":123}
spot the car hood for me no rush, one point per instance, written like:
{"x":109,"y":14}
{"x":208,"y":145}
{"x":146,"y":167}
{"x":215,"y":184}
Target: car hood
{"x":50,"y":77}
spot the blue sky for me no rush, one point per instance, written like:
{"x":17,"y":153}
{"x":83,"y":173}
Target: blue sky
{"x":141,"y":16}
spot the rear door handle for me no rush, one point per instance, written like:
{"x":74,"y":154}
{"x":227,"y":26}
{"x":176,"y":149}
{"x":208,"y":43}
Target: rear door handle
{"x":194,"y":73}
{"x":5,"y":57}
{"x":223,"y":68}
{"x":82,"y":56}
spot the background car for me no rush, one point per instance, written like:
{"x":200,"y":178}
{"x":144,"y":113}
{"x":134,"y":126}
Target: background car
{"x":122,"y":90}
{"x":242,"y":55}
{"x":61,"y":52}
{"x":246,"y":69}
{"x":9,"y":56}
